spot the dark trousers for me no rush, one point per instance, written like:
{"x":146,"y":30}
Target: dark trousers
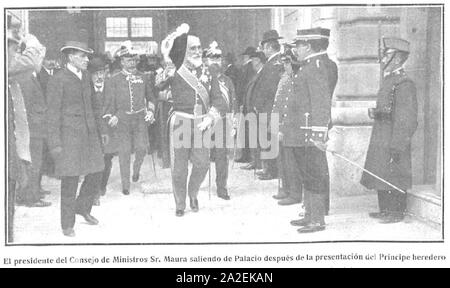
{"x":106,"y":173}
{"x":222,"y":162}
{"x":392,"y":202}
{"x":30,"y":194}
{"x":309,"y":166}
{"x":124,"y":161}
{"x":11,"y":208}
{"x":71,"y":204}
{"x":200,"y":165}
{"x":284,"y":171}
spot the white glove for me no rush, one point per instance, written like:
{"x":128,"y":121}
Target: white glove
{"x":113,"y":120}
{"x":149,"y":117}
{"x":205,"y":124}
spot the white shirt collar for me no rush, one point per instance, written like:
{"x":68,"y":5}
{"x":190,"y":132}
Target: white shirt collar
{"x":34,"y":74}
{"x":248,"y":61}
{"x":49,"y":71}
{"x":259,"y":70}
{"x":315,"y":54}
{"x":271,"y":57}
{"x":99,"y":89}
{"x":74,"y":70}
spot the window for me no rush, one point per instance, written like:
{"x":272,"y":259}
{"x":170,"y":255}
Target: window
{"x":142,"y":27}
{"x":116,"y":27}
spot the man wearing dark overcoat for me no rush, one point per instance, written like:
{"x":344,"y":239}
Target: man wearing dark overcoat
{"x":265,"y":90}
{"x":73,"y":137}
{"x":304,"y":119}
{"x":130,"y":105}
{"x":98,"y":69}
{"x":395,"y":121}
{"x":196,"y":107}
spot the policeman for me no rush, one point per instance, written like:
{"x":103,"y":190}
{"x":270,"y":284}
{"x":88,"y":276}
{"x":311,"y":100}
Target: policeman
{"x":395,"y":121}
{"x":227,"y":91}
{"x":130,"y":104}
{"x":304,"y":122}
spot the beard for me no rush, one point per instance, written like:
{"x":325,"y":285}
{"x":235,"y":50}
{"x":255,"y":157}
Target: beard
{"x":195,"y":61}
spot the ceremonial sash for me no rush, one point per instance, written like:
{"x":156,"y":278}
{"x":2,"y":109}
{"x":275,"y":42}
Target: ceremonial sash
{"x":193,"y":81}
{"x":21,"y":130}
{"x":225,"y":92}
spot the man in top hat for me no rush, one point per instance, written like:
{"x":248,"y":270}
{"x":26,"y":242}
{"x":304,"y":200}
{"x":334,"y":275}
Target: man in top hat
{"x":97,"y":67}
{"x":247,"y":72}
{"x":304,"y":120}
{"x":130,"y":105}
{"x":197,"y":103}
{"x":265,"y":90}
{"x":395,"y":121}
{"x":73,"y":136}
{"x":225,"y":125}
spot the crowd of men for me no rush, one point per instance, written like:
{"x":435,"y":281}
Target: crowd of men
{"x":71,"y":121}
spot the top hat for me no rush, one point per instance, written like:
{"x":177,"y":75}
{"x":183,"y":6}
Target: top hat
{"x":249,"y":51}
{"x":312,"y":34}
{"x":396,"y":44}
{"x":80,"y":46}
{"x":269,"y":36}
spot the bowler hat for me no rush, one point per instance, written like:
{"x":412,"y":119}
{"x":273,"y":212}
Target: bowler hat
{"x":80,"y":46}
{"x":269,"y":36}
{"x":96,"y":64}
{"x":249,"y":51}
{"x":260,"y":55}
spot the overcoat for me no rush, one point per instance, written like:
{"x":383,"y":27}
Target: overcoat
{"x":398,"y":95}
{"x":72,"y":125}
{"x":266,"y":85}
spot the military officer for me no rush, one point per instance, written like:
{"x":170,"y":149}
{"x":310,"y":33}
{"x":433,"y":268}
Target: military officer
{"x":227,"y":91}
{"x":305,"y":116}
{"x":395,"y":121}
{"x":73,"y":136}
{"x":288,"y":194}
{"x":196,"y":107}
{"x":129,"y":105}
{"x":265,"y":89}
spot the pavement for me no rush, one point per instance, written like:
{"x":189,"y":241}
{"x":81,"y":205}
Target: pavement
{"x":148,"y":216}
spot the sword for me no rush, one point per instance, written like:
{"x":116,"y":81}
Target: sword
{"x":334,"y":153}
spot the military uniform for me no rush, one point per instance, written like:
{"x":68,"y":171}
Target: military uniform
{"x":128,"y":98}
{"x":189,"y":106}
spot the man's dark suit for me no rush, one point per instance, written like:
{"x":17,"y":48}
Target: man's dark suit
{"x":265,"y":90}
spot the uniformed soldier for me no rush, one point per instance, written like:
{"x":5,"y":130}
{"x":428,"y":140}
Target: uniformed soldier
{"x":287,"y":194}
{"x":395,"y":121}
{"x":130,"y":104}
{"x":196,"y":105}
{"x":227,"y":91}
{"x":304,"y":122}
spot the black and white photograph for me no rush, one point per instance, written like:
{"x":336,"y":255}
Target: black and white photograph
{"x":297,"y":124}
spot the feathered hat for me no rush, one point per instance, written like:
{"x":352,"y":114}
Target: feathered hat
{"x":173,"y":47}
{"x":213,"y":50}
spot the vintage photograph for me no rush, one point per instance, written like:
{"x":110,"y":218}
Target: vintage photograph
{"x":224,"y":124}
